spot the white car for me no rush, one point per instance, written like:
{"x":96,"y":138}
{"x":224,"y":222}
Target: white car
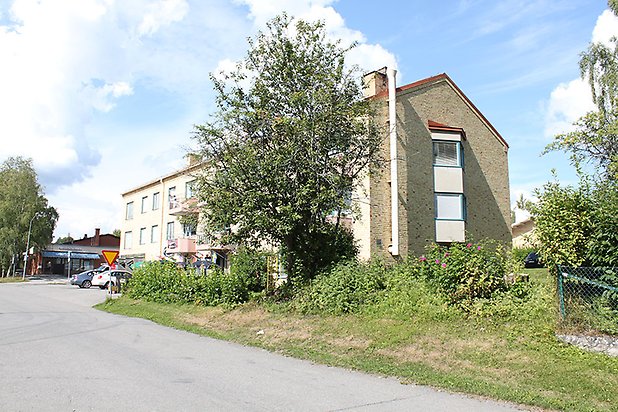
{"x":117,"y":275}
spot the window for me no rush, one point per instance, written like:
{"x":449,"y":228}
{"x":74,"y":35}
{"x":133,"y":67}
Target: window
{"x":170,"y":231}
{"x":156,"y":200}
{"x":142,"y":236}
{"x":154,"y":234}
{"x":129,"y":214}
{"x":190,"y":189}
{"x":171,"y":197}
{"x":450,"y":206}
{"x":447,"y":153}
{"x":128,"y":240}
{"x":189,"y":229}
{"x":144,"y":202}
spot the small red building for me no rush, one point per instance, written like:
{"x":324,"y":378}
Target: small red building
{"x":79,"y":255}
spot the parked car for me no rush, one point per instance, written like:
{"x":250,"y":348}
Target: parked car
{"x":533,"y":261}
{"x":84,"y":279}
{"x":117,"y":275}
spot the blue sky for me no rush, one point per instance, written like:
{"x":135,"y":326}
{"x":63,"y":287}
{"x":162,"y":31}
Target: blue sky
{"x":103,"y":94}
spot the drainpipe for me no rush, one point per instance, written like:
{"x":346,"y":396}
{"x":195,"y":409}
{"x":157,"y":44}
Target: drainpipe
{"x":392,"y":120}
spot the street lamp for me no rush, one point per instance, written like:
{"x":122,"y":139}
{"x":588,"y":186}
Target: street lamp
{"x":23,"y":276}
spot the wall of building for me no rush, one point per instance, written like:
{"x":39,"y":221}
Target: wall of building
{"x":152,"y":249}
{"x":486,"y":184}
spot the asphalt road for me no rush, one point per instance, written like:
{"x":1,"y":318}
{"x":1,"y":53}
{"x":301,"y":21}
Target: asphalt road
{"x":59,"y":354}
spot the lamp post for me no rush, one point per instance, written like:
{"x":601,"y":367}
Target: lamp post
{"x":23,"y":276}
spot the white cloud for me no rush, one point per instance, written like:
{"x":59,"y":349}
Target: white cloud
{"x":605,"y":28}
{"x":103,"y":97}
{"x":569,"y":101}
{"x":367,"y":56}
{"x":162,"y":13}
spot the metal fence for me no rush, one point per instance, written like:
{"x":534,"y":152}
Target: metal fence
{"x":588,"y":298}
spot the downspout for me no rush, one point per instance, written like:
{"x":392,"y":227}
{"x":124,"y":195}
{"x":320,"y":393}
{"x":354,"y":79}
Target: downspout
{"x":392,"y":120}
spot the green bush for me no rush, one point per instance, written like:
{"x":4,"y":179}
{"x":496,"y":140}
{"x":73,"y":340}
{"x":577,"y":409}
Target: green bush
{"x":250,"y":265}
{"x":167,"y":283}
{"x":520,"y":253}
{"x":465,"y":272}
{"x":344,"y":289}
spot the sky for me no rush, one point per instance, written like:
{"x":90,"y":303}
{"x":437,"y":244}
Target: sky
{"x":103,"y":94}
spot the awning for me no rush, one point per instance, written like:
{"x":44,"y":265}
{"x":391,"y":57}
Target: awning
{"x":74,"y":255}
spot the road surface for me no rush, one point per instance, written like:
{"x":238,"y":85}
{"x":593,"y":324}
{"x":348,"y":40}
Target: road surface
{"x":59,"y":354}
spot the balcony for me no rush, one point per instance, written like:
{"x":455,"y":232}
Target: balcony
{"x":183,"y":245}
{"x":182,"y":207}
{"x":210,"y":242}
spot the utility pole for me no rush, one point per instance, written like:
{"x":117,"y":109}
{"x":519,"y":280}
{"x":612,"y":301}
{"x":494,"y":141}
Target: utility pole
{"x":23,"y":276}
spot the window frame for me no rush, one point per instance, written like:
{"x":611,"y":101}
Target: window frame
{"x":144,"y":204}
{"x":462,"y":206}
{"x":128,"y":239}
{"x":458,"y":151}
{"x":142,"y":236}
{"x":190,"y":187}
{"x":169,"y":234}
{"x":156,"y":200}
{"x":153,"y":231}
{"x":129,"y":211}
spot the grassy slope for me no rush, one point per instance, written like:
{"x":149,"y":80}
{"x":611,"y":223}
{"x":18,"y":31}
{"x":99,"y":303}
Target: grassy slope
{"x":501,"y":352}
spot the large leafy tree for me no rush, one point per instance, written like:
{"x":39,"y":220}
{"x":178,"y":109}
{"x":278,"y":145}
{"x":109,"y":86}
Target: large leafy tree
{"x":291,"y":137}
{"x":22,"y":201}
{"x":595,"y":139}
{"x":577,"y":225}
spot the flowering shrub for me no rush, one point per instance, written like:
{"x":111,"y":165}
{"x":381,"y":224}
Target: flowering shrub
{"x":464,"y":272}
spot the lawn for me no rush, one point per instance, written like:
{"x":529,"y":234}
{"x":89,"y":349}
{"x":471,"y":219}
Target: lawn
{"x":12,"y":279}
{"x":504,"y":350}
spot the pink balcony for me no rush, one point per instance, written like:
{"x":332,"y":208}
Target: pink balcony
{"x":181,"y":245}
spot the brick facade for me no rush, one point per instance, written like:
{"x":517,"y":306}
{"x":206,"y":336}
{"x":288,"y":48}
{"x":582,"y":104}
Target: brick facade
{"x":485,"y":176}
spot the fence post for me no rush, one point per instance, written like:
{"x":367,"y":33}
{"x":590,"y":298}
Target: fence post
{"x":560,"y":292}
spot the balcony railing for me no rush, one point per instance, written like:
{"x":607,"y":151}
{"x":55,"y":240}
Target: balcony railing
{"x":179,"y":207}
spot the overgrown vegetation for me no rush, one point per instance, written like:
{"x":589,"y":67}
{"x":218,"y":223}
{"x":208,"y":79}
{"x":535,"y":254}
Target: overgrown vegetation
{"x":397,"y":323}
{"x":165,"y":282}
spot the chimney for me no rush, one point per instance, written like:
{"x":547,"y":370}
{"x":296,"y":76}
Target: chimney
{"x":375,"y":82}
{"x":97,"y":237}
{"x":192,"y":158}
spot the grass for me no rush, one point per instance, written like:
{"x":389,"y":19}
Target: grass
{"x":12,"y":279}
{"x":504,"y":350}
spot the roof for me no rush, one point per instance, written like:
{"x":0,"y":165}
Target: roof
{"x":444,"y":128}
{"x":443,"y":77}
{"x":179,"y":172}
{"x":70,"y":254}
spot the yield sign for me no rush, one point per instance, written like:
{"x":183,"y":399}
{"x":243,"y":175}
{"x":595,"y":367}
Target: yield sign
{"x":110,"y":256}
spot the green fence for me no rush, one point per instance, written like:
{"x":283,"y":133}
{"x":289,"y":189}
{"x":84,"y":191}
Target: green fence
{"x":588,"y":298}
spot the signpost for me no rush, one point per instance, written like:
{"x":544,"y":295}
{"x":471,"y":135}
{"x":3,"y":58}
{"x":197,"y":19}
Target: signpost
{"x":110,"y":257}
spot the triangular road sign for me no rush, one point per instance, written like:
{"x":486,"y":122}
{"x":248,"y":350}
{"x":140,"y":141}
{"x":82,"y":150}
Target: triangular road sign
{"x":110,"y":256}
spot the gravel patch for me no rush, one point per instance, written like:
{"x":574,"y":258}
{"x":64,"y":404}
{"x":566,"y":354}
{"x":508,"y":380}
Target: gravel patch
{"x":602,"y":344}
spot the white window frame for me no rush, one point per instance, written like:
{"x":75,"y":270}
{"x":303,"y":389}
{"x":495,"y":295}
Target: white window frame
{"x":156,"y":200}
{"x":128,"y":240}
{"x":142,"y":236}
{"x":169,"y":234}
{"x":190,"y":189}
{"x":154,"y":236}
{"x":144,"y":204}
{"x":461,"y":216}
{"x":129,"y":211}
